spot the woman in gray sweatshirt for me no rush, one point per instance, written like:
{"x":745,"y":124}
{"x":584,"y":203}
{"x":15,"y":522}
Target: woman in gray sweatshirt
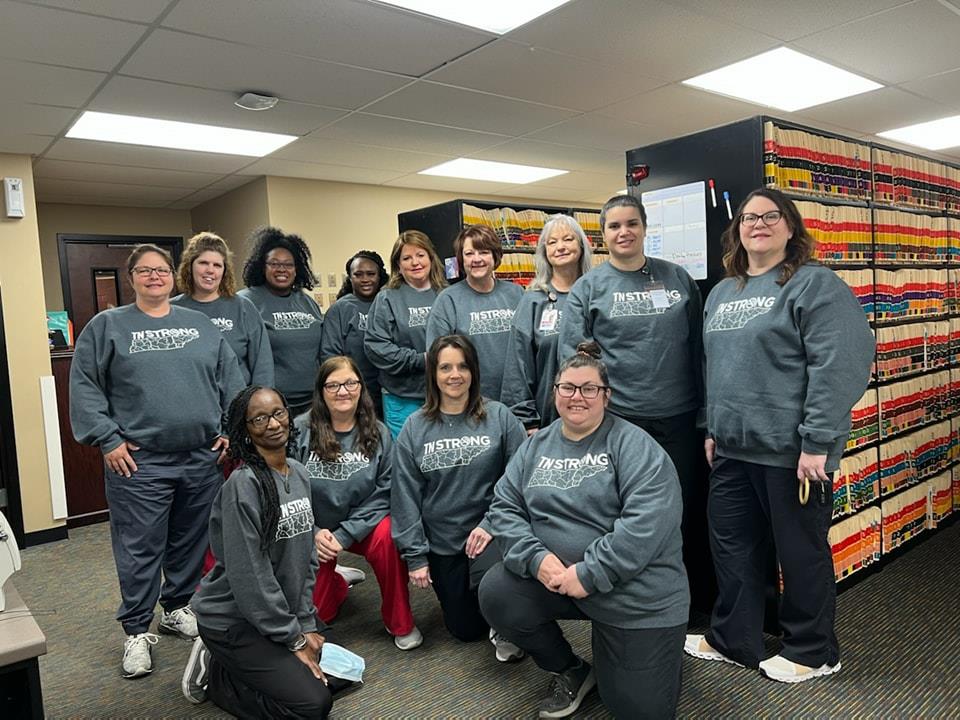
{"x":446,"y":461}
{"x":788,"y":353}
{"x":588,"y":518}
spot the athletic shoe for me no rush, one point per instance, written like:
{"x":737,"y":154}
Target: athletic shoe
{"x":196,"y":673}
{"x":567,"y":690}
{"x":352,"y":576}
{"x":698,"y":647}
{"x":137,"y":655}
{"x":506,"y":650}
{"x":782,"y":670}
{"x":180,"y":622}
{"x":411,"y":640}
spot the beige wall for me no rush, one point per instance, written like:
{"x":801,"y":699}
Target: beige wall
{"x":234,"y":216}
{"x":98,"y":220}
{"x":28,"y":354}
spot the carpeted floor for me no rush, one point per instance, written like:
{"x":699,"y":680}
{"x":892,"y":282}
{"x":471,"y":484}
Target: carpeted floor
{"x":899,"y":633}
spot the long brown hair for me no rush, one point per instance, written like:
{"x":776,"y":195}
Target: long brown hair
{"x":475,"y":407}
{"x":196,"y":246}
{"x":418,"y":239}
{"x":323,"y":438}
{"x":799,"y":248}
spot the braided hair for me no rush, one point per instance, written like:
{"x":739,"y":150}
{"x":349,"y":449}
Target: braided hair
{"x":266,"y":239}
{"x":347,"y":287}
{"x":243,"y":449}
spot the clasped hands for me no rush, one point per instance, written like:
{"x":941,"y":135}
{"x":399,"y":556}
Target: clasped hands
{"x":559,"y":578}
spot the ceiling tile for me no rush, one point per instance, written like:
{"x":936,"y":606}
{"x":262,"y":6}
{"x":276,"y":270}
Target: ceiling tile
{"x":592,"y":183}
{"x":145,"y":11}
{"x":405,"y":134}
{"x":33,"y":82}
{"x":23,"y":143}
{"x":179,"y":58}
{"x":85,"y":188}
{"x":28,"y":118}
{"x":148,"y":98}
{"x":446,"y":184}
{"x":546,"y":195}
{"x":560,"y":157}
{"x":97,"y":172}
{"x":139,"y":156}
{"x":429,"y":102}
{"x":356,"y":33}
{"x":319,"y":171}
{"x":658,"y":40}
{"x":924,"y":33}
{"x":944,"y":88}
{"x":595,"y":131}
{"x":338,"y":152}
{"x":103,"y":200}
{"x":543,"y":76}
{"x":31,"y":32}
{"x":872,"y":112}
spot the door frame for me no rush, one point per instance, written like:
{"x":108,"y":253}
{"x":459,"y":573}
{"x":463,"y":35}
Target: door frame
{"x":9,"y":468}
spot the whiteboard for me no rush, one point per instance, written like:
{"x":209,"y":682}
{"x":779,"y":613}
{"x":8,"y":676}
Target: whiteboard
{"x":677,"y":226}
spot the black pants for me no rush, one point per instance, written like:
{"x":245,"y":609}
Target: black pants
{"x":747,"y":501}
{"x":683,"y":442}
{"x":638,"y":671}
{"x":455,"y":581}
{"x":257,"y":679}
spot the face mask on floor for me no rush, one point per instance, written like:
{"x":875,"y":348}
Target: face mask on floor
{"x":340,"y":662}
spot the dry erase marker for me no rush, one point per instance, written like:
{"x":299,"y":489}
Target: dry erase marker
{"x":713,"y":192}
{"x":726,"y":199}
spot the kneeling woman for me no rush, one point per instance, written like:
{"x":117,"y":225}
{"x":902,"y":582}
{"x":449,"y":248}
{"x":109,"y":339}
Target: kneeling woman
{"x":588,"y":518}
{"x":258,"y":657}
{"x":447,"y":459}
{"x":349,"y":457}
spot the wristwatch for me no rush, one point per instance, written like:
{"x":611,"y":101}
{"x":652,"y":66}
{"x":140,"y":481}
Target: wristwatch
{"x":299,"y":644}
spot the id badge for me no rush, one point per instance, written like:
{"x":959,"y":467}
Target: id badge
{"x":548,"y":320}
{"x":658,"y":295}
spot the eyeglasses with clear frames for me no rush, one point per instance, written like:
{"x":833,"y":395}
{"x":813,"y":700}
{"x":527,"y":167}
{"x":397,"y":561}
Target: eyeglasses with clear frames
{"x":274,"y":265}
{"x":280,"y":414}
{"x":144,"y":271}
{"x":767,"y":218}
{"x":333,"y":388}
{"x":588,"y":391}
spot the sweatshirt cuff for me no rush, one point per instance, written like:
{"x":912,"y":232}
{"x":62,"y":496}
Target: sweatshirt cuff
{"x":344,"y":538}
{"x":812,"y":447}
{"x":308,"y":623}
{"x":585,"y":578}
{"x":533,"y":567}
{"x":416,"y":562}
{"x":111,"y":443}
{"x":484,"y":525}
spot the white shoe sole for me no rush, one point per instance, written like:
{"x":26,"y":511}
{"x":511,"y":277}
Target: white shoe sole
{"x":792,"y":679}
{"x":170,"y":630}
{"x":197,"y":656}
{"x":134,"y":675}
{"x":589,"y":683}
{"x":712,"y":655}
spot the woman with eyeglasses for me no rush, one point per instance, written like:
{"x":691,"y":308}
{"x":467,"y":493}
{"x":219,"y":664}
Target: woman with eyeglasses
{"x":346,"y":322}
{"x":260,"y":642}
{"x":788,"y":353}
{"x":148,"y":386}
{"x":562,"y":256}
{"x":276,"y":274}
{"x":205,"y":276}
{"x":587,"y":515}
{"x":348,"y":454}
{"x":446,"y":461}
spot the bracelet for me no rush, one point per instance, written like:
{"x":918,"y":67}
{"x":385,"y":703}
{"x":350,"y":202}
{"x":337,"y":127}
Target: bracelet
{"x":299,"y":644}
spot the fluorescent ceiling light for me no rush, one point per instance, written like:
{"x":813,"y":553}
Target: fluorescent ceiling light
{"x":492,"y":171}
{"x":177,"y":135}
{"x":933,"y":135}
{"x":497,"y":16}
{"x":783,"y":79}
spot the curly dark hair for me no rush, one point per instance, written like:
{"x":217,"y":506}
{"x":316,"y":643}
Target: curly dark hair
{"x":243,"y":449}
{"x":266,"y":239}
{"x":323,"y":439}
{"x":373,"y":257}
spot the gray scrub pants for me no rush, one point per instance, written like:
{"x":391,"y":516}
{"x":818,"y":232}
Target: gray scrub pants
{"x":158,"y":523}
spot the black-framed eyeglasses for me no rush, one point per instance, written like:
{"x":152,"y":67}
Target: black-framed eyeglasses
{"x":333,"y":388}
{"x":144,"y":271}
{"x":588,"y":391}
{"x":768,"y":218}
{"x":274,"y":265}
{"x":280,"y":414}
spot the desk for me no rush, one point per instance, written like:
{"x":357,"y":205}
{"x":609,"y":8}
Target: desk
{"x":21,"y":643}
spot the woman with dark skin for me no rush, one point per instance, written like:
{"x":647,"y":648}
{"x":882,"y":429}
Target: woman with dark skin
{"x":276,"y":274}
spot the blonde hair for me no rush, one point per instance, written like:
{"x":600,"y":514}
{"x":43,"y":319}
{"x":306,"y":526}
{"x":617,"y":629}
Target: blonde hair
{"x":418,"y":239}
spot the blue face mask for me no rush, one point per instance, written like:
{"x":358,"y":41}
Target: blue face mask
{"x":340,"y":662}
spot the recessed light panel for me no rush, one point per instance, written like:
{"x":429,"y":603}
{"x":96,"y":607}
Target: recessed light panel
{"x":783,"y":79}
{"x":134,"y":130}
{"x":496,"y":16}
{"x":933,"y":135}
{"x":492,"y":171}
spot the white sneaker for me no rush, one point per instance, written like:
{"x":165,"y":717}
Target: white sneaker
{"x":786,"y":671}
{"x":506,"y":650}
{"x":196,"y":673}
{"x":137,"y":655}
{"x":411,"y":640}
{"x":352,"y":576}
{"x":180,"y":622}
{"x":698,"y":647}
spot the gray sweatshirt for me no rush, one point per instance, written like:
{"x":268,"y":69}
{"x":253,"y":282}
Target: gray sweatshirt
{"x":294,"y":323}
{"x":271,"y":589}
{"x":531,"y":360}
{"x":485,"y":319}
{"x":396,"y":338}
{"x":352,"y":494}
{"x":784,"y":366}
{"x":344,"y":328}
{"x":243,"y":329}
{"x":443,"y":479}
{"x":161,"y":383}
{"x":650,"y":339}
{"x":609,"y":504}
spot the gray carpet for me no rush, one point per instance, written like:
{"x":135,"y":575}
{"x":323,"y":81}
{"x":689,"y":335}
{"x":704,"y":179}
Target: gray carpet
{"x":899,"y":634}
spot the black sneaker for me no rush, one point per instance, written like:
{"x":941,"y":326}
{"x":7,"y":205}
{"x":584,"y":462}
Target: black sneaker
{"x":567,"y":691}
{"x":196,"y":673}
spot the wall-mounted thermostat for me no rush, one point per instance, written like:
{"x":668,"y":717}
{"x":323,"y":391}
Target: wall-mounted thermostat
{"x":13,"y":196}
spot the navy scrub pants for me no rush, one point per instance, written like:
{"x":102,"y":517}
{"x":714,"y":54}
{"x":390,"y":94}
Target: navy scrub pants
{"x":158,"y":525}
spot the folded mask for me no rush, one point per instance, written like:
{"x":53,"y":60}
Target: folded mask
{"x":340,"y":662}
